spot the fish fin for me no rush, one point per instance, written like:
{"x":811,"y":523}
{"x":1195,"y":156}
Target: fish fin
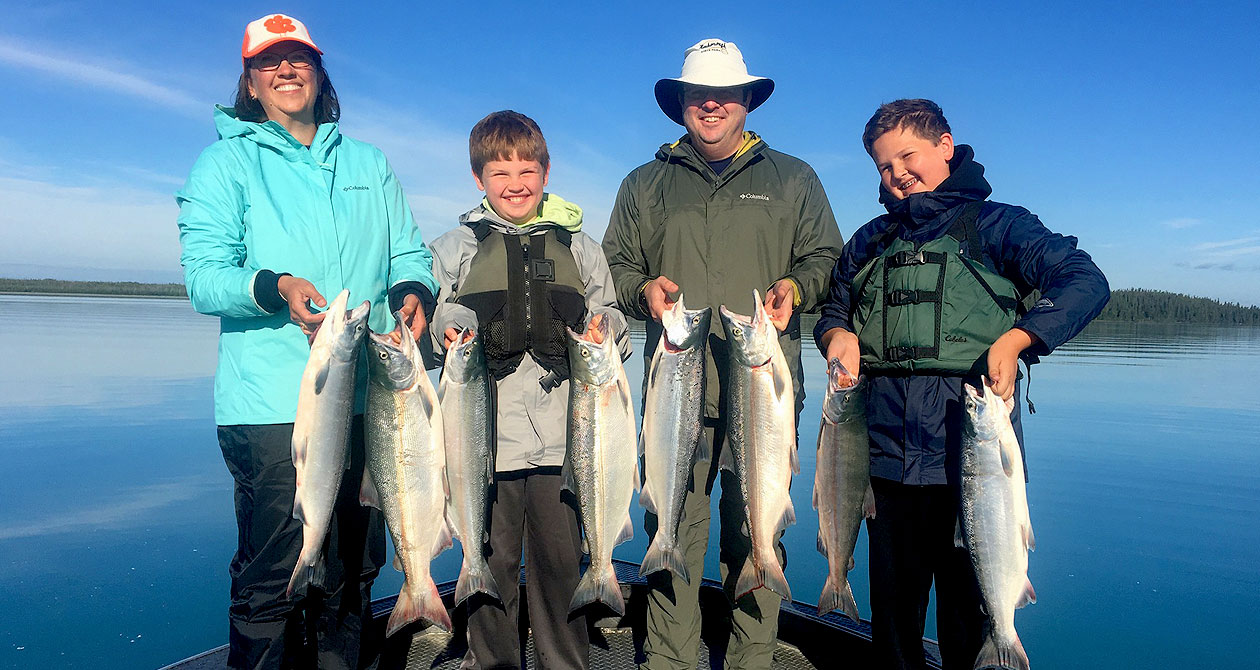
{"x":369,"y":496}
{"x":788,"y":518}
{"x":704,"y":452}
{"x":838,"y":596}
{"x":443,"y":541}
{"x":660,"y":557}
{"x":726,"y":459}
{"x":414,"y":604}
{"x":852,"y":564}
{"x":321,"y":377}
{"x":599,"y":584}
{"x":638,"y":480}
{"x":795,"y":462}
{"x":298,"y":512}
{"x":958,"y":535}
{"x":1028,"y":596}
{"x":626,"y":532}
{"x":749,"y":580}
{"x":814,"y":499}
{"x":645,"y":500}
{"x":307,"y":573}
{"x":569,"y":482}
{"x":299,"y":445}
{"x":772,"y":578}
{"x":868,"y":503}
{"x":822,"y":545}
{"x":1009,"y":658}
{"x":398,"y":565}
{"x":1009,"y":449}
{"x":744,"y":526}
{"x":1029,"y":541}
{"x":475,"y":579}
{"x":781,"y":383}
{"x":623,"y":391}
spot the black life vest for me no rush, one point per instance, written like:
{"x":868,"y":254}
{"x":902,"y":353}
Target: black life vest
{"x":525,"y":290}
{"x":928,"y":308}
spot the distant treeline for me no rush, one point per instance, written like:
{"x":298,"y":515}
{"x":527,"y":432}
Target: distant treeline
{"x":91,"y":287}
{"x":1136,"y":304}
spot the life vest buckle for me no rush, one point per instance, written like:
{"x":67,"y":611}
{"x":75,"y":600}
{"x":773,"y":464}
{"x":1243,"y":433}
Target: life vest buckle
{"x":908,"y":257}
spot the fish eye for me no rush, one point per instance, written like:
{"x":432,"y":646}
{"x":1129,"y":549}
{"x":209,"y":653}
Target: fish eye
{"x":695,"y":320}
{"x":586,"y":353}
{"x":382,"y":355}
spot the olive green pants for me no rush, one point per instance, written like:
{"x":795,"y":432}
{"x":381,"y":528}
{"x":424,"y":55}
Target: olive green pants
{"x":673,"y":612}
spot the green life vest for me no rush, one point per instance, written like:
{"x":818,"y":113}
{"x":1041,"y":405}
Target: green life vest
{"x":525,"y":290}
{"x":929,"y":309}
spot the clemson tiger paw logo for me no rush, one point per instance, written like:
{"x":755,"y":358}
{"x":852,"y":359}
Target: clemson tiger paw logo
{"x":279,"y":24}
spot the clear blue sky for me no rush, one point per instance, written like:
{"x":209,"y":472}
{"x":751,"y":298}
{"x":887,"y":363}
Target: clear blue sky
{"x":1135,"y":127}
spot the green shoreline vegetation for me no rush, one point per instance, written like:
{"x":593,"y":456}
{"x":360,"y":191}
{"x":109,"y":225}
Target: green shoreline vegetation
{"x":1126,"y":305}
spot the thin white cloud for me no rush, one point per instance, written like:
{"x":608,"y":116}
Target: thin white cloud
{"x":1185,"y":222}
{"x":1227,"y":244}
{"x":1236,"y":255}
{"x":80,"y":70}
{"x":127,"y":509}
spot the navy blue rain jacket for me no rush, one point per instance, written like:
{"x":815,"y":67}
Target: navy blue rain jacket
{"x":915,"y":422}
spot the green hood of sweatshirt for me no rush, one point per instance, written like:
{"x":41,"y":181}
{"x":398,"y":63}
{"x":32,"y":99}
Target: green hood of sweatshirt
{"x":554,"y":210}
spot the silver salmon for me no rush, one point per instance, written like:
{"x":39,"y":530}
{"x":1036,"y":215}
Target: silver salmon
{"x":406,"y":471}
{"x":994,"y":524}
{"x":468,"y":422}
{"x":842,"y":484}
{"x":321,"y":431}
{"x":761,"y":441}
{"x":672,"y":439}
{"x":601,"y":466}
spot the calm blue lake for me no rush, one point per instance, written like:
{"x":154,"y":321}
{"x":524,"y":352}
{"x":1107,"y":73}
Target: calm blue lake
{"x":116,"y":525}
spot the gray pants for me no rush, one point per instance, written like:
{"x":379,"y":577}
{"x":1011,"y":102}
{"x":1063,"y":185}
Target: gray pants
{"x":673,"y":613}
{"x":528,"y":516}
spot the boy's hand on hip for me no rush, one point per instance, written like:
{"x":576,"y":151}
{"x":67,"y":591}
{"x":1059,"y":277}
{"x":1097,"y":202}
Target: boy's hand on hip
{"x":1004,"y":360}
{"x":656,"y":294}
{"x":779,"y":303}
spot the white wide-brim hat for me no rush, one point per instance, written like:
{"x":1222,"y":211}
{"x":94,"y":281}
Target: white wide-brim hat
{"x":713,"y":63}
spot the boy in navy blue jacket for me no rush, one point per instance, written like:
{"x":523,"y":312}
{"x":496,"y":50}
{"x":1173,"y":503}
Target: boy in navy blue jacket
{"x":927,"y":297}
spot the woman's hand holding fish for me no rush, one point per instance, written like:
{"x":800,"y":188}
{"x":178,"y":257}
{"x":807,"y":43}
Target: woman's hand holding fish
{"x":1004,"y":360}
{"x":300,"y":293}
{"x":413,"y":318}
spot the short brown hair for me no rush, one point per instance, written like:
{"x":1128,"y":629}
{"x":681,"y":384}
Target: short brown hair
{"x":503,"y":135}
{"x":922,"y":116}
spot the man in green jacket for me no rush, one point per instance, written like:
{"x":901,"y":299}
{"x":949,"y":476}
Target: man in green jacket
{"x":717,"y":215}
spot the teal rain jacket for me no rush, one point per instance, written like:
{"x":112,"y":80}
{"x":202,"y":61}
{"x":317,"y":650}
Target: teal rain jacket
{"x":333,"y":214}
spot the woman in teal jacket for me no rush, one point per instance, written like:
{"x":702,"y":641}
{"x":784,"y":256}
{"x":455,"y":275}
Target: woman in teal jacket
{"x":282,"y":211}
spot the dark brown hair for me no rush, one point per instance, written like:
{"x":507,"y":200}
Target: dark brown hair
{"x":504,"y":134}
{"x":922,"y":116}
{"x":327,"y":107}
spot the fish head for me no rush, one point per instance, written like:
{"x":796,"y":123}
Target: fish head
{"x":591,"y":362}
{"x":684,"y":328}
{"x":752,"y":338}
{"x":388,"y":362}
{"x":844,"y":393}
{"x":466,"y":358}
{"x":353,"y":328}
{"x":334,"y":321}
{"x":983,"y":407}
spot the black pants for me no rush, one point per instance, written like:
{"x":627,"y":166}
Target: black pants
{"x":912,"y":546}
{"x":528,"y":515}
{"x":325,"y":628}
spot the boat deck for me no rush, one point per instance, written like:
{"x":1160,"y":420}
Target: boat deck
{"x":806,"y":640}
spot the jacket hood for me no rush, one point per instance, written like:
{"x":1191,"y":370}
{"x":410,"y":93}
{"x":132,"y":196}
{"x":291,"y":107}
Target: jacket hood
{"x":682,"y":149}
{"x":273,"y":135}
{"x":555,"y":211}
{"x":965,"y":183}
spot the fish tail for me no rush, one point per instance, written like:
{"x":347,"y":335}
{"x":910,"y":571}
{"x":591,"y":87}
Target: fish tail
{"x":418,"y":603}
{"x":599,"y":584}
{"x":662,"y":557}
{"x":475,"y":579}
{"x":309,"y":571}
{"x":995,"y":656}
{"x":751,"y":578}
{"x":838,"y":595}
{"x":773,"y":578}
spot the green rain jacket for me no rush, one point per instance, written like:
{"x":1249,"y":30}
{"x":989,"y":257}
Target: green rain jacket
{"x":333,"y":214}
{"x":719,"y":237}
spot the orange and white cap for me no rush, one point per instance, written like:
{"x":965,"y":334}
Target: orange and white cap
{"x":272,"y":29}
